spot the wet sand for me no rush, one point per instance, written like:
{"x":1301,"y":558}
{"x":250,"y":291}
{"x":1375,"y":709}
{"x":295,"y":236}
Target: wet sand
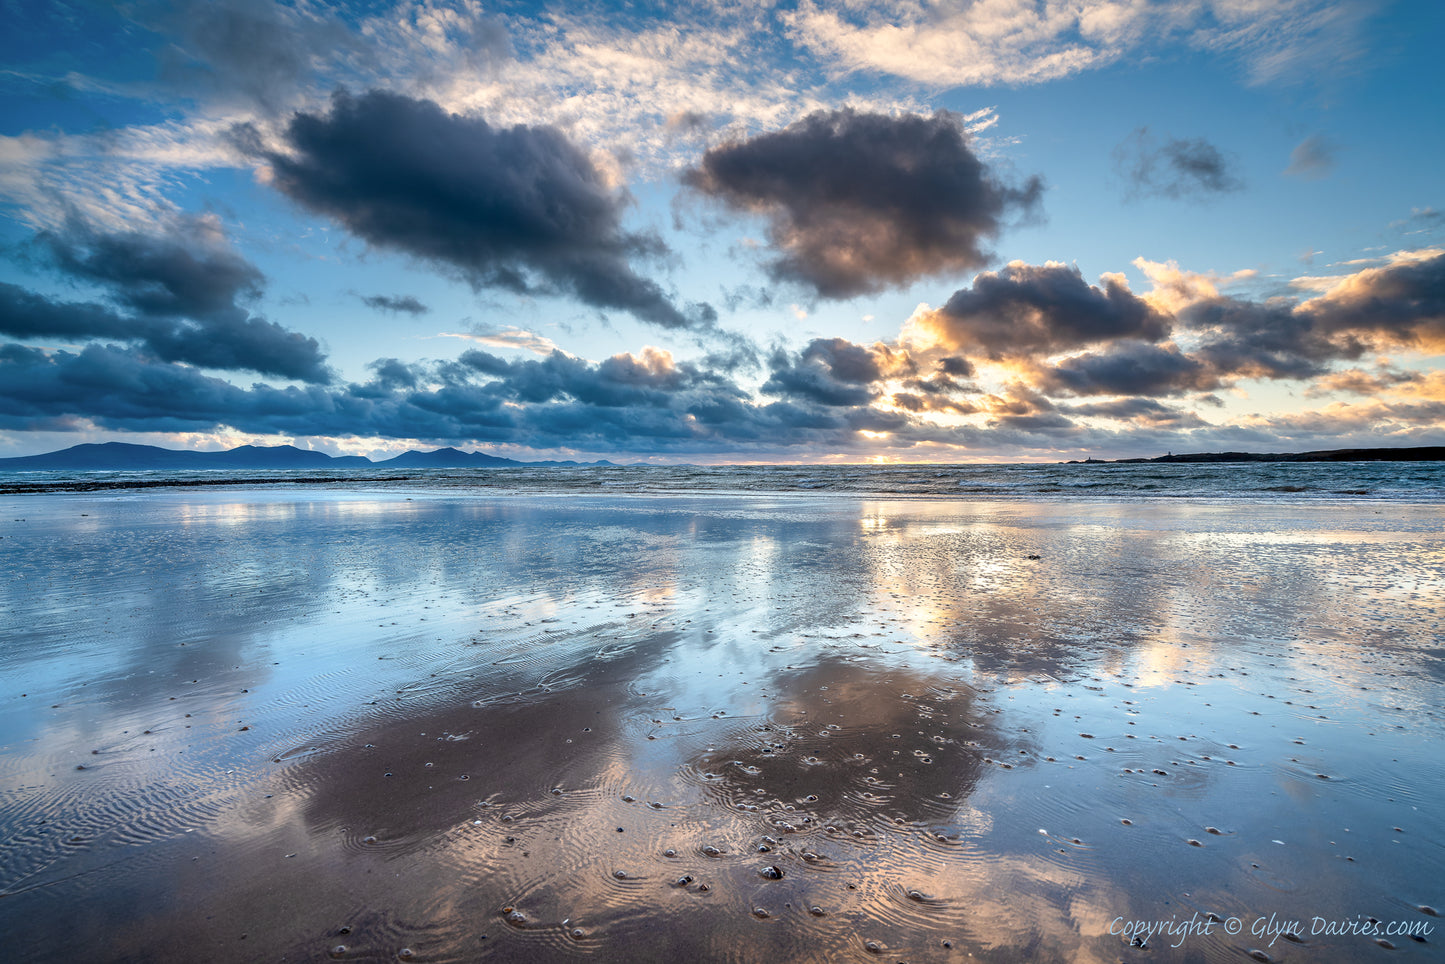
{"x":306,"y":725}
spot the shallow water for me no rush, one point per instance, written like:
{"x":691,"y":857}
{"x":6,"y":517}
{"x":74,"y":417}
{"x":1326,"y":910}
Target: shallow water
{"x":282,"y":725}
{"x":1251,"y":482}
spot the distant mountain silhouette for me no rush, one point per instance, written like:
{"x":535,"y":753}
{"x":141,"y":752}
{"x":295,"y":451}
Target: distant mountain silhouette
{"x":447,"y":458}
{"x":1423,"y":453}
{"x":127,"y":457}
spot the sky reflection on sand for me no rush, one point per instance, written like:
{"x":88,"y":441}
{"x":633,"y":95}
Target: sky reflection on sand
{"x":426,"y":720}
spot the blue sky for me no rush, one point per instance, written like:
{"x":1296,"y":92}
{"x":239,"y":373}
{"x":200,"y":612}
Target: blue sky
{"x":999,"y":230}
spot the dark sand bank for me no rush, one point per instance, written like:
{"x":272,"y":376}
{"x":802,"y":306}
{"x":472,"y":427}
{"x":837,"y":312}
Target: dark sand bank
{"x":246,"y":726}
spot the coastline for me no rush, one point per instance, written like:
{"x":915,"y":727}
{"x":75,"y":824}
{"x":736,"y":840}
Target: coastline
{"x":1426,"y":453}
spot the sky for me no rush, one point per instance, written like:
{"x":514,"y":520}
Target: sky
{"x":753,"y":231}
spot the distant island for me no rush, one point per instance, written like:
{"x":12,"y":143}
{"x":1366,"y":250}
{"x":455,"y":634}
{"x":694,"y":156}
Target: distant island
{"x":126,"y":457}
{"x":1424,"y":453}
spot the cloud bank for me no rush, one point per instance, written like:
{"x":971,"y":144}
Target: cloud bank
{"x":1054,"y":335}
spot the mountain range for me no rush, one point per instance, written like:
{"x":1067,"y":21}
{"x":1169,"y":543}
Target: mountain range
{"x":124,"y":456}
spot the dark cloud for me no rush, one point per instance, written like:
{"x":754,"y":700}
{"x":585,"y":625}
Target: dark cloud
{"x":395,"y":304}
{"x":941,"y":390}
{"x":1047,"y":423}
{"x":1402,"y":303}
{"x":253,"y":51}
{"x":248,"y":344}
{"x":814,"y":383}
{"x":25,"y":314}
{"x":1129,"y":368}
{"x":955,"y":365}
{"x":234,"y":343}
{"x":392,"y":374}
{"x":859,"y":202}
{"x":1175,"y":168}
{"x":651,"y":379}
{"x":519,"y":208}
{"x":626,"y":403}
{"x":939,"y":394}
{"x":184,"y":289}
{"x":182,"y":270}
{"x":126,"y":389}
{"x":1146,"y":411}
{"x":1312,"y":158}
{"x":1028,"y":309}
{"x":834,"y":372}
{"x":1271,"y":340}
{"x":1399,"y":305}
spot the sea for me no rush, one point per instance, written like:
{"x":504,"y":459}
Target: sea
{"x":1228,"y":481}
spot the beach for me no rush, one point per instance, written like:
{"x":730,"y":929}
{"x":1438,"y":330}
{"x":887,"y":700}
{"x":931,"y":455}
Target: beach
{"x":309,"y":723}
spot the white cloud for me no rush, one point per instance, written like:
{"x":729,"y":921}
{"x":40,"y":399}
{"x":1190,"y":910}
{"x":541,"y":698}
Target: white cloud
{"x":986,"y":42}
{"x":507,"y":337}
{"x":619,"y":87}
{"x":1176,"y":288}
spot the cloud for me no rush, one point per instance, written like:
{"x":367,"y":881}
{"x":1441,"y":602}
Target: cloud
{"x":858,"y":202}
{"x":179,"y":290}
{"x":392,"y":374}
{"x":611,"y":79}
{"x":1145,"y":411}
{"x":1026,"y":309}
{"x":651,"y":379}
{"x":629,"y":402}
{"x":1402,"y":303}
{"x":972,"y":44}
{"x":506,"y":336}
{"x":1312,"y":158}
{"x":395,"y":304}
{"x":1426,"y":217}
{"x":1247,"y":339}
{"x":128,"y":390}
{"x":1175,"y":288}
{"x":520,"y":208}
{"x":835,"y":372}
{"x":257,"y":53}
{"x":1370,"y":423}
{"x":941,"y":391}
{"x":244,"y":343}
{"x":1176,"y":168}
{"x":182,"y":269}
{"x":1129,"y":368}
{"x":645,"y":401}
{"x":1356,"y":381}
{"x":993,"y":371}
